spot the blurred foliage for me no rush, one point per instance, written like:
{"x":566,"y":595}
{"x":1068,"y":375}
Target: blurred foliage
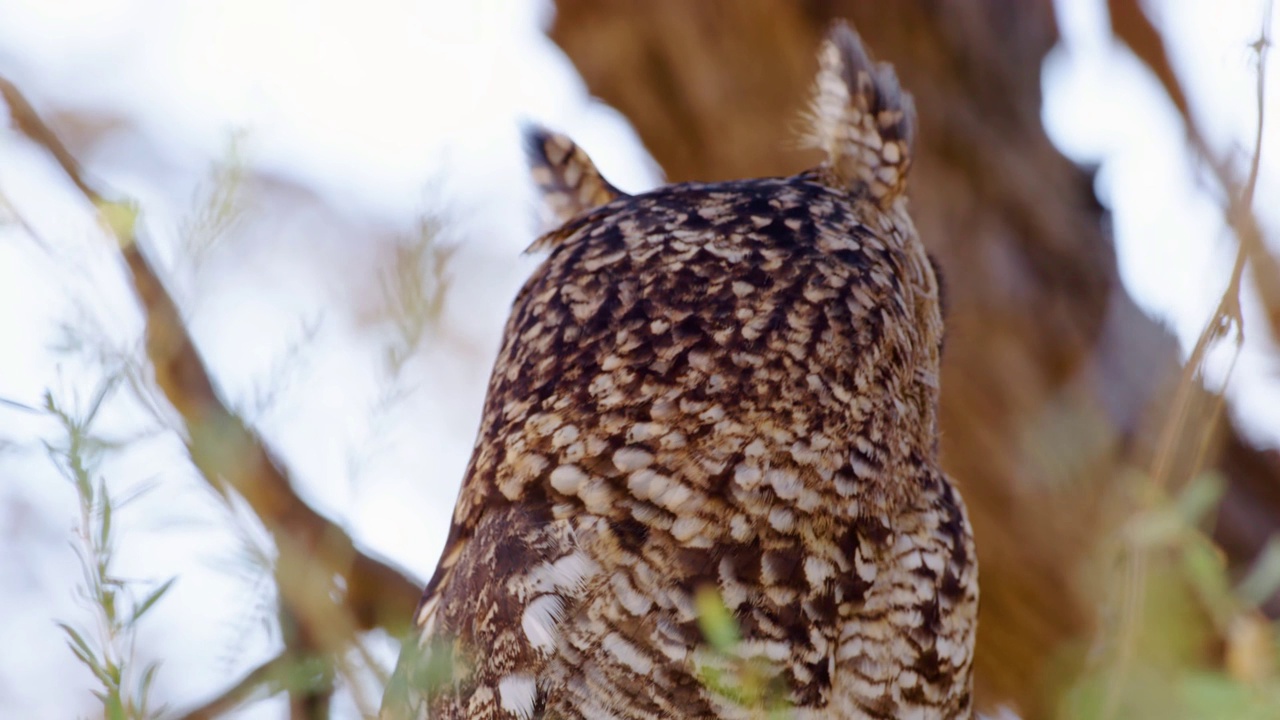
{"x":1180,"y":639}
{"x":414,"y":288}
{"x":220,"y":203}
{"x":118,"y":605}
{"x":732,"y":669}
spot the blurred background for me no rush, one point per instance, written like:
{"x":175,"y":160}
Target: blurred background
{"x":333,"y":197}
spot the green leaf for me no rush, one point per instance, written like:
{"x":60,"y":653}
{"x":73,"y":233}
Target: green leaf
{"x":144,"y":684}
{"x":109,"y":604}
{"x":101,"y":673}
{"x":79,"y":647}
{"x":1154,"y":528}
{"x":436,"y":665}
{"x":1264,"y":577}
{"x":115,"y":708}
{"x":714,"y":619}
{"x":1206,"y":570}
{"x":95,"y":405}
{"x":84,"y":488}
{"x":150,"y":600}
{"x":104,"y":530}
{"x":1214,"y":695}
{"x":1200,"y":497}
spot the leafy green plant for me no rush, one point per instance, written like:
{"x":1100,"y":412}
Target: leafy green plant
{"x":118,"y":605}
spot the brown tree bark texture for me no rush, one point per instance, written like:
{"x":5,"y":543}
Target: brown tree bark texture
{"x":1054,"y":382}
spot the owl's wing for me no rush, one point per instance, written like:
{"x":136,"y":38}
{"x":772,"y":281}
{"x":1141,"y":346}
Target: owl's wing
{"x":488,"y":627}
{"x":569,"y":182}
{"x":490,"y":615}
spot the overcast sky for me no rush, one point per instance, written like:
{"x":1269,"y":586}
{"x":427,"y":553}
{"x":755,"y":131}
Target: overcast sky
{"x":356,"y":122}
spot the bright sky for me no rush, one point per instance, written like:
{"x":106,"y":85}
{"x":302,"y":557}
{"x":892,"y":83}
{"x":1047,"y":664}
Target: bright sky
{"x":1174,"y":250}
{"x":357,"y":123}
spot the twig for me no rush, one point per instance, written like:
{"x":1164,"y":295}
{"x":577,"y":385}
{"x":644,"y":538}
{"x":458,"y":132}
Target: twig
{"x":1242,"y":220}
{"x":242,"y":691}
{"x":30,"y":124}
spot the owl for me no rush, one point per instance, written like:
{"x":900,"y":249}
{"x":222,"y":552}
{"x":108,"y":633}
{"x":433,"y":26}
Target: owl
{"x":706,"y":482}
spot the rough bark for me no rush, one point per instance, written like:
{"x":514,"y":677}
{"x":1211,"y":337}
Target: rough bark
{"x":1055,"y":384}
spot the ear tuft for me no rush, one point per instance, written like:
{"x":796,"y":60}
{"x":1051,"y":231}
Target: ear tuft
{"x":861,"y":118}
{"x":566,"y":177}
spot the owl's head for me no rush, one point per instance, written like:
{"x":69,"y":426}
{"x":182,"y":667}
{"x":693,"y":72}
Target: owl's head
{"x":802,"y":307}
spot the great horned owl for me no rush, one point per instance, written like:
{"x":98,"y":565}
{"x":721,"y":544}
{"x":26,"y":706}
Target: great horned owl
{"x":719,"y":390}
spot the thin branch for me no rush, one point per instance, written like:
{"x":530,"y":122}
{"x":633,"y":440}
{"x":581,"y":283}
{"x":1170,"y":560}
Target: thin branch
{"x":21,"y":221}
{"x":236,"y":695}
{"x":29,"y":123}
{"x":1242,"y":219}
{"x":19,"y":406}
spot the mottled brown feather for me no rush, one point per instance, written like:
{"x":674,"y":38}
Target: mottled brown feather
{"x":727,"y":388}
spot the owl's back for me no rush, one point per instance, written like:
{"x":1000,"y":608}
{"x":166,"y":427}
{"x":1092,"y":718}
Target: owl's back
{"x":714,"y":399}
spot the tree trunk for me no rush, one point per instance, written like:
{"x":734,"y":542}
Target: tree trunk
{"x":1054,"y":383}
